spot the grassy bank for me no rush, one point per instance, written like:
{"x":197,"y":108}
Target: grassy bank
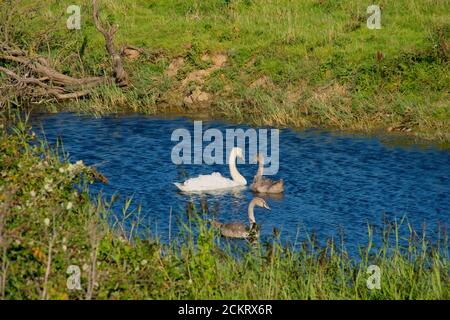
{"x":48,"y":225}
{"x":311,"y":63}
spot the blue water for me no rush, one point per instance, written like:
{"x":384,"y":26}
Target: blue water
{"x":334,"y":182}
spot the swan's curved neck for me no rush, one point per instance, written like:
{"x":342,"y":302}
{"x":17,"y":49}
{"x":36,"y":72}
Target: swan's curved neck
{"x":251,"y":214}
{"x":235,"y":175}
{"x":260,"y":171}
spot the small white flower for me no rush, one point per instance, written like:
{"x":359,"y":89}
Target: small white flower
{"x":47,"y":221}
{"x":64,"y":247}
{"x":144,"y":262}
{"x":69,"y":205}
{"x":61,"y":170}
{"x":73,"y":168}
{"x":85,"y":267}
{"x":48,"y":187}
{"x":33,"y":193}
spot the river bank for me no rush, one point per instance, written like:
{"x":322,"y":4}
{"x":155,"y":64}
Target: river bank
{"x":283,"y":64}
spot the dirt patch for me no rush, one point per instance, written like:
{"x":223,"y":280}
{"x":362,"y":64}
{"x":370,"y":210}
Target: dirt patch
{"x":195,"y":80}
{"x":198,"y":96}
{"x":198,"y":76}
{"x":190,"y":90}
{"x":131,"y":54}
{"x":174,"y":67}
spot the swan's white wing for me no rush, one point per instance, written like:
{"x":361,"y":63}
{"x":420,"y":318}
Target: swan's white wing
{"x":212,"y":181}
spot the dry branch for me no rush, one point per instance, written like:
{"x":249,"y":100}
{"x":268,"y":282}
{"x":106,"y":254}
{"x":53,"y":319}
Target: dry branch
{"x":34,"y":78}
{"x":120,"y":74}
{"x":43,"y":89}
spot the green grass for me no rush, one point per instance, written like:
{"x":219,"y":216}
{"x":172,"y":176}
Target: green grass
{"x":319,"y":57}
{"x":46,"y":225}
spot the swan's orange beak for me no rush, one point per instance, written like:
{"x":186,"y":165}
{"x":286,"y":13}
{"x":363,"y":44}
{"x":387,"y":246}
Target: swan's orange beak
{"x":267,"y":207}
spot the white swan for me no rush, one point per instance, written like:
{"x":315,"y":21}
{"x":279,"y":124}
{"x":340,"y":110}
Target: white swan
{"x":216,"y":181}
